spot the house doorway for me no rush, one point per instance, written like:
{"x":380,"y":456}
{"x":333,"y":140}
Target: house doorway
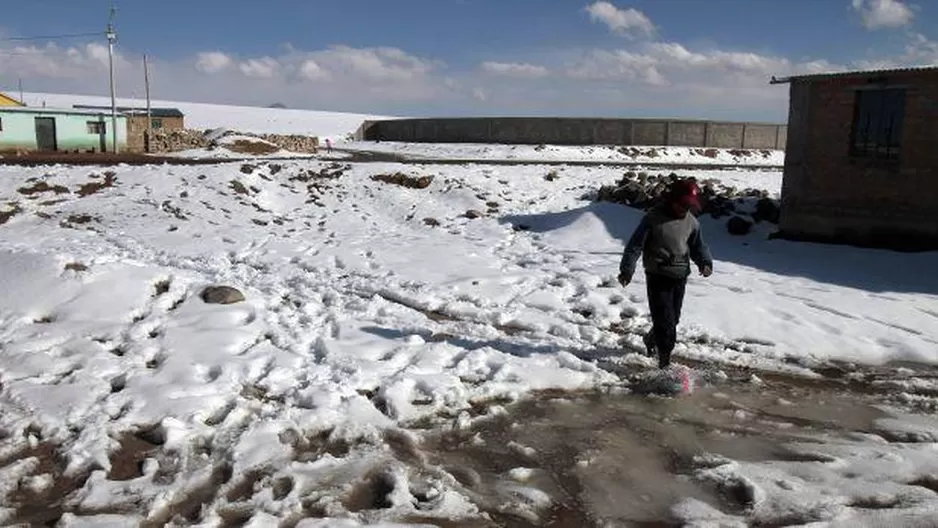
{"x":45,"y":134}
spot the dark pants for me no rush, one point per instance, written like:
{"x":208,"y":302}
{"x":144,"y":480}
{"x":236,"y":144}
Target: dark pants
{"x":665,"y":300}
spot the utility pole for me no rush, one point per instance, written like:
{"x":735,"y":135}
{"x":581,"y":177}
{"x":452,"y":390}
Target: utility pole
{"x":111,"y":38}
{"x":20,"y":81}
{"x":146,"y":82}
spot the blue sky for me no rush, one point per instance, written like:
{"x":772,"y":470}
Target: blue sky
{"x":683,"y":58}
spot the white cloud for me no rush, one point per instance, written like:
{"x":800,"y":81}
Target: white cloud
{"x":97,"y":52}
{"x":263,"y":68}
{"x":877,"y":14}
{"x":617,"y":64}
{"x":921,"y":50}
{"x":312,"y":71}
{"x":628,"y":22}
{"x":52,"y":61}
{"x":212,"y":61}
{"x":376,"y":64}
{"x":515,"y":69}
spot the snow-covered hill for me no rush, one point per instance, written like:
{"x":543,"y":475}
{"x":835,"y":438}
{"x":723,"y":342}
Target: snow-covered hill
{"x":335,"y":125}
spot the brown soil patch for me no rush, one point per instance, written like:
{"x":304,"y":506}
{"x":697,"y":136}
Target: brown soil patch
{"x":432,"y":222}
{"x":371,"y":494}
{"x":127,"y":461}
{"x":161,"y":287}
{"x":76,"y":266}
{"x":239,"y":187}
{"x":245,"y":146}
{"x":707,"y":153}
{"x":634,"y":152}
{"x":41,"y":187}
{"x":80,"y":219}
{"x":399,"y":178}
{"x":43,"y":507}
{"x":5,"y":216}
{"x":243,"y":489}
{"x":110,"y":178}
{"x":739,"y":153}
{"x":189,"y":506}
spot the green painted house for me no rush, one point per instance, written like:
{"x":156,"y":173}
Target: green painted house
{"x":55,"y":129}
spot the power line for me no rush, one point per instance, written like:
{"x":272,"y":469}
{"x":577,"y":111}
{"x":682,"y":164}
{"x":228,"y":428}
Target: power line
{"x":30,"y":52}
{"x":53,"y":37}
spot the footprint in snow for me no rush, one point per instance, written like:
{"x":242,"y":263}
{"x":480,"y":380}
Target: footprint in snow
{"x":208,"y":374}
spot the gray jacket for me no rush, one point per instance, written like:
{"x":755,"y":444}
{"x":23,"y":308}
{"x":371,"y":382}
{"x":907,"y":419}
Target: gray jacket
{"x":667,"y":245}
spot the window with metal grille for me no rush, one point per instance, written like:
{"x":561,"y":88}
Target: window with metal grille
{"x":95,"y":127}
{"x":877,"y":124}
{"x":156,"y":123}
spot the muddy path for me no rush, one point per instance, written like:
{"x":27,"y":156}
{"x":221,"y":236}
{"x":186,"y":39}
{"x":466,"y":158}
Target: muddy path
{"x":614,"y":458}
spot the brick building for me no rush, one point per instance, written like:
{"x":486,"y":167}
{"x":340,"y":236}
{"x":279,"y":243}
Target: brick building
{"x":861,"y":164}
{"x":160,"y":118}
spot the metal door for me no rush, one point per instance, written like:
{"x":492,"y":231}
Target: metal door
{"x":102,"y":135}
{"x":45,"y":133}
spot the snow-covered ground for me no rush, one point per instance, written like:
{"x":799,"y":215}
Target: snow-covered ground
{"x":373,"y":309}
{"x":580,"y":154}
{"x":258,"y":120}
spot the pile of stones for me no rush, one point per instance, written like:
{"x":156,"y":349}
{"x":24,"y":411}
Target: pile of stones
{"x":743,"y":208}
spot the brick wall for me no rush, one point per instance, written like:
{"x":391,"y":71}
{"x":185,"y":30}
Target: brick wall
{"x":828,"y":194}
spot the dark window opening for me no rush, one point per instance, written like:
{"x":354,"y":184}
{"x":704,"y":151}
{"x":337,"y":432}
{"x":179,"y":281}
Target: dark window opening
{"x":156,"y":123}
{"x":877,"y":124}
{"x":1,"y":124}
{"x":95,"y":127}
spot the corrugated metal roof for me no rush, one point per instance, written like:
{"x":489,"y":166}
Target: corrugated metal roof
{"x":854,"y":73}
{"x":16,"y":102}
{"x":154,"y":112}
{"x":50,"y":110}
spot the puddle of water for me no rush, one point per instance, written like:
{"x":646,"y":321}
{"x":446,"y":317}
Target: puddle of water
{"x":625,"y":460}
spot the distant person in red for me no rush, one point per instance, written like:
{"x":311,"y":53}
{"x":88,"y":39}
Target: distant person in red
{"x":668,"y":238}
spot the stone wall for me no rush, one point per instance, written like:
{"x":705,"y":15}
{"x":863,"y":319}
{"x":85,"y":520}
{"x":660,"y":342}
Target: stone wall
{"x":292,"y":142}
{"x":165,"y":140}
{"x":578,"y":131}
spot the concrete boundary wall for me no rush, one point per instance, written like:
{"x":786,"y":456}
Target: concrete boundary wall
{"x":578,"y":131}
